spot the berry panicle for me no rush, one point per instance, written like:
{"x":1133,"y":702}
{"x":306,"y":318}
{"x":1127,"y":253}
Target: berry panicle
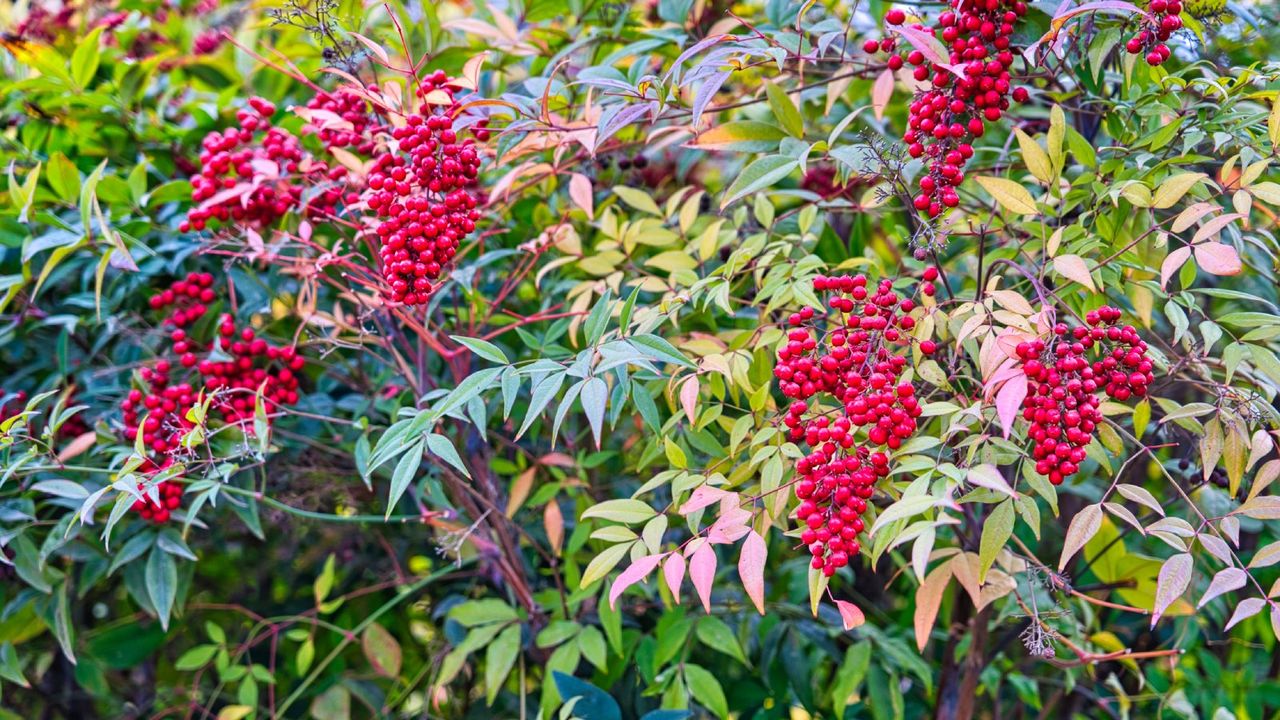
{"x":1065,"y":375}
{"x":842,"y":370}
{"x":228,"y":374}
{"x":972,"y":90}
{"x":421,"y":193}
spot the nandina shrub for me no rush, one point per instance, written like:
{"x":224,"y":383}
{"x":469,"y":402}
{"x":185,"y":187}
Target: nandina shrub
{"x":404,"y":360}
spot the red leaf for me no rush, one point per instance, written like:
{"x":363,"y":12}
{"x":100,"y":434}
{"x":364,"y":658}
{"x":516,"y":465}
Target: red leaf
{"x":850,"y":614}
{"x":755,"y":551}
{"x":702,"y":570}
{"x":638,"y":571}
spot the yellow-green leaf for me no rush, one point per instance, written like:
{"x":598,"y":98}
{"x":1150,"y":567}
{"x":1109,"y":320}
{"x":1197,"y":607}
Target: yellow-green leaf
{"x":1011,"y":196}
{"x":1172,"y":189}
{"x":1035,"y":157}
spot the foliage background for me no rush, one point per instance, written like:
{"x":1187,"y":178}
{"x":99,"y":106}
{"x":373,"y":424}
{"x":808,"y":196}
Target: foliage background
{"x":659,"y":197}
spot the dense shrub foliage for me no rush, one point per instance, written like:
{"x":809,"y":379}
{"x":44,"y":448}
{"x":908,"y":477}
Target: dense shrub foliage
{"x":607,"y":360}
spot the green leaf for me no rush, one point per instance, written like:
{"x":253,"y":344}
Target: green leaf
{"x":598,"y":320}
{"x":595,"y":393}
{"x":706,"y":690}
{"x":63,"y":177}
{"x":741,"y":136}
{"x":324,"y":581}
{"x":473,"y":385}
{"x":543,"y":393}
{"x":404,"y":473}
{"x":499,"y":658}
{"x":593,"y":703}
{"x":591,"y":640}
{"x":638,"y":199}
{"x":715,"y":634}
{"x":382,"y":650}
{"x":659,"y":349}
{"x":601,"y":564}
{"x":628,"y":511}
{"x":482,"y":612}
{"x":162,"y":583}
{"x":84,"y":61}
{"x":196,"y":658}
{"x":483,"y":348}
{"x":332,"y":704}
{"x":784,"y":110}
{"x":441,"y":447}
{"x":995,"y":533}
{"x":306,"y":654}
{"x":759,"y":175}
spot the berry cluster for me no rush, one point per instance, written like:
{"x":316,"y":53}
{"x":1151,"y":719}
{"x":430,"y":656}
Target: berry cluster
{"x":254,"y":365}
{"x":160,"y":512}
{"x":418,"y":189}
{"x":848,"y":402}
{"x":354,"y":127}
{"x":1062,"y":402}
{"x":955,"y":109}
{"x":256,"y":173}
{"x":1158,"y":25}
{"x":230,"y":377}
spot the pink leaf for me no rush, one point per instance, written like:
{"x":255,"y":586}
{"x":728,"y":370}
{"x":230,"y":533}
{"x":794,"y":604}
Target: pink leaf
{"x":732,"y":524}
{"x":580,"y":193}
{"x":673,"y":572}
{"x":638,"y":571}
{"x":1174,"y":577}
{"x":1245,"y":610}
{"x":702,"y":570}
{"x":689,"y":397}
{"x":924,"y":41}
{"x":702,"y":497}
{"x":881,"y":92}
{"x":1214,"y":227}
{"x":1172,"y":264}
{"x":1009,"y":401}
{"x":851,"y":614}
{"x":1232,"y":578}
{"x":1218,"y":258}
{"x":751,"y":568}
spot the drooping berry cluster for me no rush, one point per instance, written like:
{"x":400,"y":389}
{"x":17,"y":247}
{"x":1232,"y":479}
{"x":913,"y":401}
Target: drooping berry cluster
{"x":848,"y":404}
{"x":962,"y":98}
{"x":418,"y":189}
{"x":1161,"y":21}
{"x":256,"y":173}
{"x":1062,"y":402}
{"x":230,"y":378}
